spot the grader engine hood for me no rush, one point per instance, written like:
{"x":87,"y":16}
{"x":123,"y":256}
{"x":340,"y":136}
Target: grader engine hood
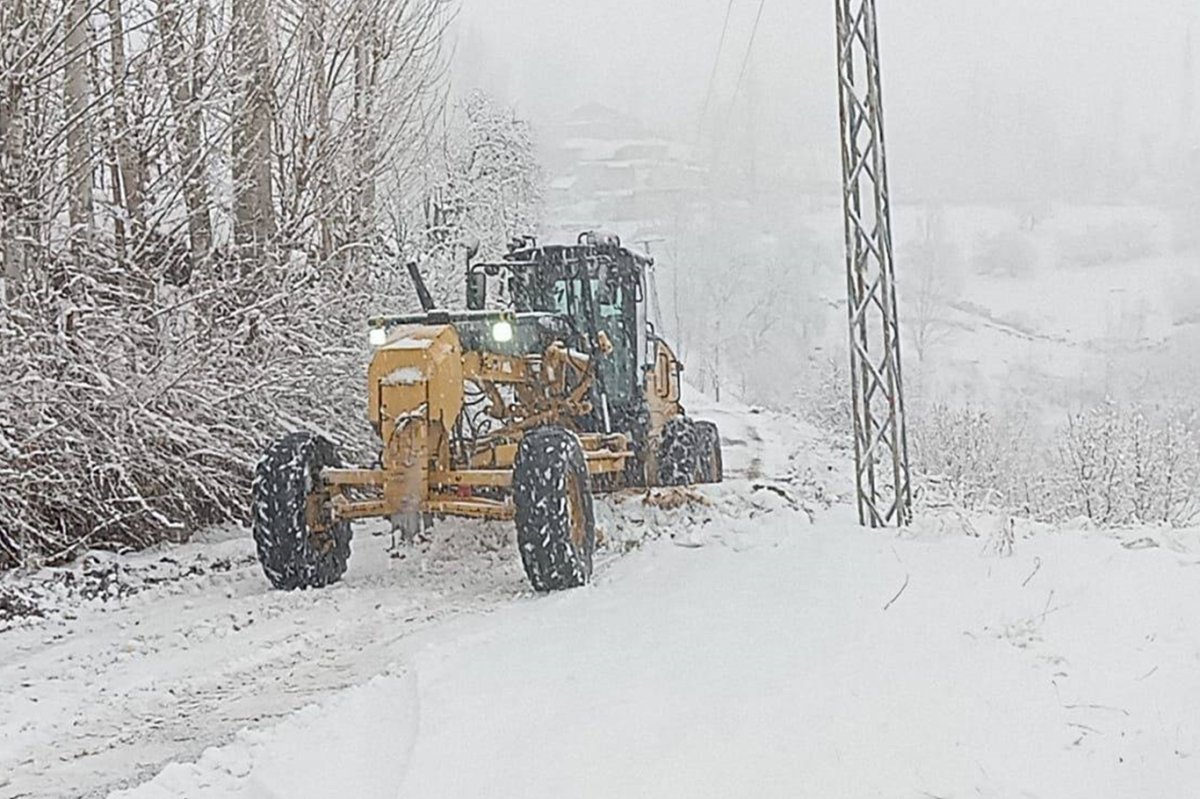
{"x":419,"y":368}
{"x":417,"y":372}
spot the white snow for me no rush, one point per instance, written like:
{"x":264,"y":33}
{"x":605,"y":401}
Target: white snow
{"x":765,"y":664}
{"x":404,"y":376}
{"x":364,"y":738}
{"x":410,"y":344}
{"x":728,"y":646}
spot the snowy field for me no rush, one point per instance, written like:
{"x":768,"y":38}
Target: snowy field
{"x":1100,"y":301}
{"x":751,"y":641}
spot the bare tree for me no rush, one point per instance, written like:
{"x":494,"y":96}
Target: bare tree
{"x":254,"y":213}
{"x":368,"y":52}
{"x":184,"y":76}
{"x":129,"y":177}
{"x":77,"y":98}
{"x":14,"y":47}
{"x":321,"y":140}
{"x":930,"y":283}
{"x":483,"y":188}
{"x":145,"y":421}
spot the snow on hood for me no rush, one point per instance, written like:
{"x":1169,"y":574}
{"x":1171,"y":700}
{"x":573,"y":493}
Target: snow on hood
{"x":404,"y":376}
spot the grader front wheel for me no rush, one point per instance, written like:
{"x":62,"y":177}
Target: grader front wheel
{"x":296,"y":547}
{"x":556,"y":527}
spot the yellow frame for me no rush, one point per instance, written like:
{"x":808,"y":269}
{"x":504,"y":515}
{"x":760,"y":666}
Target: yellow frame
{"x":416,"y":393}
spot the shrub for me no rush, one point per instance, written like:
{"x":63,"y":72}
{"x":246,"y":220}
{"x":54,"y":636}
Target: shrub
{"x":1127,"y":464}
{"x":970,"y":458}
{"x":824,"y":399}
{"x":1114,"y":243}
{"x":1114,"y":464}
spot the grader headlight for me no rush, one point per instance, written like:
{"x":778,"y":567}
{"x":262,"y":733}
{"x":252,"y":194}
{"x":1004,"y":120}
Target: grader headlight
{"x":502,"y":331}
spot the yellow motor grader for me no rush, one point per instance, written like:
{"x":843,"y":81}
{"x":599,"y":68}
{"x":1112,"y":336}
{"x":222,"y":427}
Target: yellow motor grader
{"x":521,"y":413}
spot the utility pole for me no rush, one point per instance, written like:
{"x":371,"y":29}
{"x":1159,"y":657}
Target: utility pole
{"x":880,"y":435}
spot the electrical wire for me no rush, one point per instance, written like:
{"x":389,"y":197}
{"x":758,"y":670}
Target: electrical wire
{"x":712,"y":78}
{"x":720,"y":148}
{"x":749,"y":50}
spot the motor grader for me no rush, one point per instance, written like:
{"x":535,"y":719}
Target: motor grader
{"x":551,"y":386}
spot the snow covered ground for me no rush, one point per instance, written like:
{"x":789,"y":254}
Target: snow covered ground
{"x":752,"y":641}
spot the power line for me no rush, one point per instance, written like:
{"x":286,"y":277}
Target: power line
{"x":749,"y":50}
{"x":741,"y":77}
{"x":712,"y":78}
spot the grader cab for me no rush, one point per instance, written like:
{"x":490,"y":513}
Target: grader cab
{"x":550,"y":387}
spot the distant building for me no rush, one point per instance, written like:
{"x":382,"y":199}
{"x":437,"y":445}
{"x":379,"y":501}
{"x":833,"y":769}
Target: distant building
{"x":610,"y":171}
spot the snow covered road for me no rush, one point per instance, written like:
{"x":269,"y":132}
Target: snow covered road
{"x":109,"y":696}
{"x":734,"y":649}
{"x":765,"y":664}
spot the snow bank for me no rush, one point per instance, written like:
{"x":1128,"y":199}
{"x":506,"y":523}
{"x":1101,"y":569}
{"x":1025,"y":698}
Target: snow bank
{"x":100,"y":580}
{"x":356,"y":746}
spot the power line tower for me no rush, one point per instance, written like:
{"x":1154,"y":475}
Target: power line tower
{"x":880,"y":434}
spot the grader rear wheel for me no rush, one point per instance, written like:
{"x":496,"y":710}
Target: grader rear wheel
{"x":678,"y":452}
{"x":710,"y":466}
{"x":556,"y":526}
{"x":298,"y":546}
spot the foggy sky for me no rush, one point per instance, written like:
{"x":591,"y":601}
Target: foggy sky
{"x":1100,"y":79}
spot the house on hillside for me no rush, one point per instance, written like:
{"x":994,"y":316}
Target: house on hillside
{"x":610,"y":170}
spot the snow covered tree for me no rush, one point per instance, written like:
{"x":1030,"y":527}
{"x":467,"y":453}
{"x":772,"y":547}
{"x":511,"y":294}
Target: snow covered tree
{"x":187,"y":255}
{"x":253,"y":208}
{"x":930,"y":282}
{"x":483,"y":188}
{"x":184,"y":76}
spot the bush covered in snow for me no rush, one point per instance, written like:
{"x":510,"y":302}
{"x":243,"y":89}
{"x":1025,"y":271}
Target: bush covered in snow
{"x":968,"y":457}
{"x":117,"y":433}
{"x":1110,"y":243}
{"x":1115,"y":464}
{"x":824,"y":397}
{"x":1125,"y":464}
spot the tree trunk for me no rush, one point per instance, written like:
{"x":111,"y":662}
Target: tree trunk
{"x":365,"y":69}
{"x":189,"y":133}
{"x":128,"y":168}
{"x":76,"y":102}
{"x":13,"y":20}
{"x":253,"y":209}
{"x":322,"y":139}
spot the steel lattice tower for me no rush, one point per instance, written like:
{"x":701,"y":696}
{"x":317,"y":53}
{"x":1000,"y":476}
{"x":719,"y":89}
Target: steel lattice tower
{"x":880,"y":435}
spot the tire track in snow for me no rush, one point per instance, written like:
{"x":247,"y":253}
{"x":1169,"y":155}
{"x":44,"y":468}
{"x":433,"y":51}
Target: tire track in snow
{"x":111,"y":696}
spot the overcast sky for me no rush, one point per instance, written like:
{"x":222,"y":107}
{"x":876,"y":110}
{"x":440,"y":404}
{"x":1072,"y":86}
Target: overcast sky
{"x":1089,"y":71}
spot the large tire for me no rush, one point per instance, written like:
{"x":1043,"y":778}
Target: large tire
{"x":678,"y":452}
{"x":556,"y":526}
{"x":710,"y":466}
{"x":292,"y":555}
